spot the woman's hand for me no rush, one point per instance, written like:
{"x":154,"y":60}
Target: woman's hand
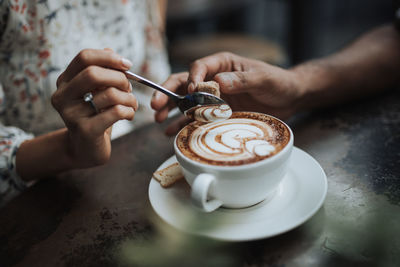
{"x":246,"y":84}
{"x":98,"y":72}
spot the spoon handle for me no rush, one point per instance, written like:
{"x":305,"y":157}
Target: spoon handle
{"x":140,"y":79}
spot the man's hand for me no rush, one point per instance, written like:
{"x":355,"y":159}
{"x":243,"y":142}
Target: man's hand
{"x":246,"y":84}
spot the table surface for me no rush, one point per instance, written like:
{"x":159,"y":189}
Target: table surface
{"x":102,"y":216}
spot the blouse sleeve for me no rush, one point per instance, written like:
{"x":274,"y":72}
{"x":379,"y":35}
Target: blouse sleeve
{"x":10,"y":183}
{"x":10,"y":140}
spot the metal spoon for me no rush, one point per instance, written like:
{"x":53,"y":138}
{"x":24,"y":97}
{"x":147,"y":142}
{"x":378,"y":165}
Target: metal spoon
{"x":184,"y":103}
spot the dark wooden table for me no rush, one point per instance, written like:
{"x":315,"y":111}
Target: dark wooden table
{"x":102,"y":216}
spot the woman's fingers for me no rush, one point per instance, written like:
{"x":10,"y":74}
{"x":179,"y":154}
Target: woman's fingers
{"x":101,"y":57}
{"x":97,"y":125}
{"x":76,"y":110}
{"x":108,"y":117}
{"x":91,"y":78}
{"x":112,"y":96}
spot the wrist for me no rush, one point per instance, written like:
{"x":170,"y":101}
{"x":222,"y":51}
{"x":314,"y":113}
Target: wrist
{"x":51,"y":149}
{"x":69,"y":155}
{"x":301,"y":88}
{"x":313,"y":79}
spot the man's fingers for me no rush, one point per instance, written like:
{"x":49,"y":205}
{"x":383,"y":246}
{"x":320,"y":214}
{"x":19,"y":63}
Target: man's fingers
{"x":100,"y":57}
{"x":207,"y":67}
{"x":232,"y":82}
{"x":243,"y":82}
{"x":162,"y":114}
{"x":159,"y":100}
{"x":175,"y":83}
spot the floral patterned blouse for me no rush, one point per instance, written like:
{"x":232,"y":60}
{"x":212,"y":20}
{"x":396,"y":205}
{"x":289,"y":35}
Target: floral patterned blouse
{"x":38,"y":38}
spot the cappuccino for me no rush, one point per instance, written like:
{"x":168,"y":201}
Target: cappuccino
{"x":246,"y":137}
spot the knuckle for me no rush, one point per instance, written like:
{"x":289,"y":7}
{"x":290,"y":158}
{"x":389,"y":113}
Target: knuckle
{"x":118,"y":111}
{"x":91,"y":72}
{"x":225,"y":54}
{"x":131,"y":114}
{"x":124,"y":83}
{"x":59,"y":79}
{"x":242,"y":77}
{"x":68,"y":115}
{"x":84,"y":56}
{"x":111,"y":96}
{"x":134,"y":100}
{"x":57,"y":100}
{"x":122,"y":77}
{"x":197,"y":62}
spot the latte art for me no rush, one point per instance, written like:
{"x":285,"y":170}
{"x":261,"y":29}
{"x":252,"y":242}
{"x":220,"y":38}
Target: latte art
{"x":245,"y":138}
{"x":234,"y":140}
{"x":210,"y":113}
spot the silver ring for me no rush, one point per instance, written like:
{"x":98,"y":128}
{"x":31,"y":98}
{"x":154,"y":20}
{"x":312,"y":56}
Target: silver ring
{"x":88,"y":98}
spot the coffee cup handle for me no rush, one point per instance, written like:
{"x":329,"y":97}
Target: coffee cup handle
{"x":200,"y":188}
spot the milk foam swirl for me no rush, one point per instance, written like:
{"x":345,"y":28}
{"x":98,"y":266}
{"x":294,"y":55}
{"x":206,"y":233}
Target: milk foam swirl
{"x":210,"y":113}
{"x":234,"y":140}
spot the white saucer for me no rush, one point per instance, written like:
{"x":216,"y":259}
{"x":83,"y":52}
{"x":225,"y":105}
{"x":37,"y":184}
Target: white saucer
{"x":299,"y":196}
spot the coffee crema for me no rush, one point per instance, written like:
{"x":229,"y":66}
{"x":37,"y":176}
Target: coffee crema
{"x":246,"y":137}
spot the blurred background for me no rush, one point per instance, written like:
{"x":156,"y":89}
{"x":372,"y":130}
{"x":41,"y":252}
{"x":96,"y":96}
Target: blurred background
{"x":282,"y":32}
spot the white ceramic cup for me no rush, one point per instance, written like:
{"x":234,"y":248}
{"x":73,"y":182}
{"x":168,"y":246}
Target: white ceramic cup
{"x":234,"y":186}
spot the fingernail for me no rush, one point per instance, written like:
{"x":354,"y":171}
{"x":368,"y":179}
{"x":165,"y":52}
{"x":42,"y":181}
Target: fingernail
{"x":127,"y":63}
{"x":130,"y":87}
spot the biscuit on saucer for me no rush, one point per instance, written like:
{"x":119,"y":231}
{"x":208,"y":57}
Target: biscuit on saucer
{"x":169,"y":175}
